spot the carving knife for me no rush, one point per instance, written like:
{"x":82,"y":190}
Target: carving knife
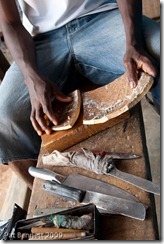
{"x":81,"y":182}
{"x":120,"y":201}
{"x":139,"y":182}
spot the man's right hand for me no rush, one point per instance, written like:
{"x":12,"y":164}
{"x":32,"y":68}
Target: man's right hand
{"x":42,"y":91}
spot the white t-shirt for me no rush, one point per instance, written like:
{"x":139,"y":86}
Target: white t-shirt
{"x":44,"y":15}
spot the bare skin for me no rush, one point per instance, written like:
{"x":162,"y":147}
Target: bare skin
{"x":21,"y":170}
{"x":135,"y":57}
{"x":41,"y":90}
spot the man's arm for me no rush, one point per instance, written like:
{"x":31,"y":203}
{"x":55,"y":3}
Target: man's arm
{"x":135,"y":57}
{"x":17,"y":38}
{"x":21,"y":46}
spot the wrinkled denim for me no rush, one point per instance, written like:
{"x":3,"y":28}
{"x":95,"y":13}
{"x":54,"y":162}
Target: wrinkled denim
{"x":95,"y":45}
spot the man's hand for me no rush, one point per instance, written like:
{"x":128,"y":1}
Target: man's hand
{"x":137,"y":59}
{"x":42,"y":92}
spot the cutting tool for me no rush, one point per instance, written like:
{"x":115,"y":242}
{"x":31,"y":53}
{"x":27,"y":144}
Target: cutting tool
{"x":107,"y":198}
{"x":139,"y":182}
{"x":117,"y":155}
{"x":104,"y":163}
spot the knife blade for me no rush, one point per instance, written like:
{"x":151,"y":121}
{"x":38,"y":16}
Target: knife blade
{"x":81,"y":182}
{"x":105,"y":203}
{"x":117,"y":155}
{"x":86,"y":183}
{"x":139,"y":182}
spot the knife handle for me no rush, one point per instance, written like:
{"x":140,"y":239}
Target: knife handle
{"x":45,"y":174}
{"x":64,"y":191}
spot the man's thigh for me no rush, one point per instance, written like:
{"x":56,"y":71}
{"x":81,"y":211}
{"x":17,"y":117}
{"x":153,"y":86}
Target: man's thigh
{"x":53,"y":56}
{"x":99,"y":47}
{"x":100,"y":44}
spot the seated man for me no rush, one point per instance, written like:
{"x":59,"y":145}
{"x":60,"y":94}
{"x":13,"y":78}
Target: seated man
{"x":101,"y":39}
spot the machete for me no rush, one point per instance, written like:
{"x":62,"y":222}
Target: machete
{"x":104,"y":203}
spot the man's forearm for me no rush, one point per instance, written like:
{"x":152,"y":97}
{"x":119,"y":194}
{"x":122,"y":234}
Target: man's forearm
{"x":131,"y":11}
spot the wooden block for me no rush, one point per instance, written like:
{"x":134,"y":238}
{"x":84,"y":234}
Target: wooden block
{"x":62,"y":140}
{"x":69,"y":112}
{"x":108,"y":102}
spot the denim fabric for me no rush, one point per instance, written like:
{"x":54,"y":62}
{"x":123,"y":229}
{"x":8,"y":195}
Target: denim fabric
{"x":94,"y":44}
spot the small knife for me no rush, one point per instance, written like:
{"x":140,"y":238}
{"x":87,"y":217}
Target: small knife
{"x":117,"y":155}
{"x":105,"y":203}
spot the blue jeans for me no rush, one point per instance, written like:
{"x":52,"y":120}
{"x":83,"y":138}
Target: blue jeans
{"x":94,"y":44}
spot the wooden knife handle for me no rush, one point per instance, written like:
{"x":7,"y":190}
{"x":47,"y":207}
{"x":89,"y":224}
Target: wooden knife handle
{"x":63,"y":190}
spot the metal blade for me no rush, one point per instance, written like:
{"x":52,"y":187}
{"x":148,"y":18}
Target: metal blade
{"x":88,"y":184}
{"x":110,"y":204}
{"x":122,"y":155}
{"x":81,"y":182}
{"x":144,"y":184}
{"x":117,"y":155}
{"x":105,"y":203}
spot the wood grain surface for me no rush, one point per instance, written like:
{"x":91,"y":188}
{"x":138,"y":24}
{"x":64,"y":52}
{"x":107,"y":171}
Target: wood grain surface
{"x":61,"y":140}
{"x":127,"y":136}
